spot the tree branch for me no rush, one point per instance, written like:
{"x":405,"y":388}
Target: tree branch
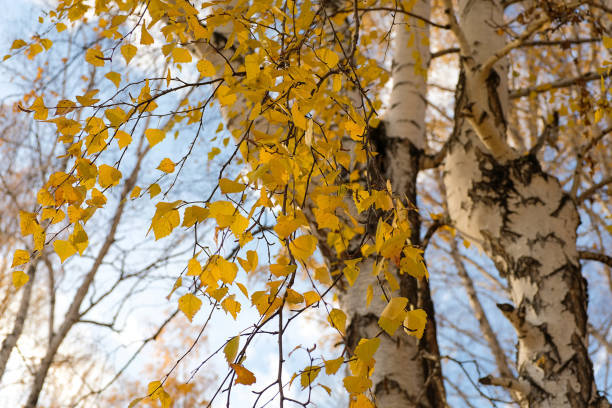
{"x":506,"y":382}
{"x":593,"y":189}
{"x":595,"y":256}
{"x":563,"y":83}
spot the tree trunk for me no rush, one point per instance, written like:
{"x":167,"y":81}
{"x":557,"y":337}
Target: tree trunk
{"x":524,"y":221}
{"x":407,"y":372}
{"x":24,"y":305}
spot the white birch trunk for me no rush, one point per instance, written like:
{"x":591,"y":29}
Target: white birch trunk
{"x":525,"y":222}
{"x":407,"y":372}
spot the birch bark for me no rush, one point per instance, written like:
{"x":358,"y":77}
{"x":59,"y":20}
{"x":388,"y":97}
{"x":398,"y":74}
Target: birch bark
{"x":523,"y":220}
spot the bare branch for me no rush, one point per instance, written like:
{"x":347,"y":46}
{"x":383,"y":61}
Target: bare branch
{"x":593,"y":189}
{"x":563,"y":83}
{"x":594,"y":256}
{"x":505,"y":382}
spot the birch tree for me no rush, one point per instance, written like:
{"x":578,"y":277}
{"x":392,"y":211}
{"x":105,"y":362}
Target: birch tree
{"x":329,"y":127}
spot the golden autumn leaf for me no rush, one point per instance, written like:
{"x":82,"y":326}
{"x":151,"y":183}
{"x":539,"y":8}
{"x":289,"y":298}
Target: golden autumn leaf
{"x":393,"y":315}
{"x":243,"y":376}
{"x":415,"y":322}
{"x":356,"y":384}
{"x":114,"y":77}
{"x":206,"y":68}
{"x":366,"y":348}
{"x":128,"y":51}
{"x":302,"y":247}
{"x":228,"y":186}
{"x":108,"y":176}
{"x":332,"y":366}
{"x":166,"y":165}
{"x":154,"y":136}
{"x":337,"y":319}
{"x":308,"y":375}
{"x":64,"y":249}
{"x":231,"y":349}
{"x":189,"y":304}
{"x":181,"y":55}
{"x":95,"y":57}
{"x":19,"y":279}
{"x":20,"y":257}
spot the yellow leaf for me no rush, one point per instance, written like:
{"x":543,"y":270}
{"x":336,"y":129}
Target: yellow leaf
{"x":311,"y":297}
{"x":189,"y":304}
{"x":116,"y":116}
{"x":128,"y":51}
{"x":166,"y":165}
{"x":194,"y":268}
{"x":251,"y":63}
{"x":64,"y":107}
{"x":20,"y":278}
{"x":356,"y":384}
{"x":114,"y":77}
{"x":332,"y":366}
{"x":154,"y":136}
{"x":393,"y":315}
{"x":287,"y":224}
{"x":64,"y":249}
{"x":156,"y":392}
{"x":108,"y":176}
{"x":206,"y":68}
{"x":18,"y":44}
{"x":222,"y":212}
{"x":52,"y":214}
{"x":60,"y":27}
{"x":361,"y":402}
{"x":181,"y":55}
{"x":194,"y":214}
{"x":366,"y":348}
{"x":243,"y":376}
{"x":47,"y":43}
{"x":228,"y":186}
{"x":79,"y":238}
{"x":20,"y":257}
{"x":250,"y":264}
{"x":225,"y":96}
{"x":337,"y":319}
{"x":299,"y":120}
{"x":95,"y":57}
{"x":231,"y":306}
{"x":227,"y":270}
{"x":293,"y":297}
{"x":351,"y":270}
{"x":302,"y":247}
{"x":40,"y":111}
{"x":154,"y":189}
{"x":177,"y":284}
{"x":415,"y":322}
{"x":231,"y":349}
{"x":165,"y":219}
{"x":213,"y":152}
{"x":309,"y":374}
{"x":145,"y":37}
{"x":123,"y":138}
{"x":329,"y":57}
{"x":28,"y":223}
{"x":135,"y":192}
{"x":607,"y":42}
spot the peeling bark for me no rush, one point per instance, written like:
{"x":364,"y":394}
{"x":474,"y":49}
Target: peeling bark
{"x":525,"y":222}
